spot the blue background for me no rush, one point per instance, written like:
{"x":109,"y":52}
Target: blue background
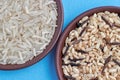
{"x":45,"y":69}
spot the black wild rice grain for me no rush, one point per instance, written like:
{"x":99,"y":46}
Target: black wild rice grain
{"x":74,"y":39}
{"x":114,"y":43}
{"x":78,"y":25}
{"x":110,"y":24}
{"x":65,"y":53}
{"x":115,"y":61}
{"x":87,"y":62}
{"x":107,"y":22}
{"x":119,"y":15}
{"x":111,"y":49}
{"x":81,"y":24}
{"x":72,"y":64}
{"x":83,"y":31}
{"x":81,"y":51}
{"x":102,"y":48}
{"x":74,"y":60}
{"x":106,"y":62}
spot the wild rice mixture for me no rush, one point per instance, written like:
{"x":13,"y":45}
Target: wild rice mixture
{"x":26,"y":28}
{"x":92,"y":50}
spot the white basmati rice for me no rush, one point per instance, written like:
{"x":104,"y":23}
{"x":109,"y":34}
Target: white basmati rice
{"x":26,"y":28}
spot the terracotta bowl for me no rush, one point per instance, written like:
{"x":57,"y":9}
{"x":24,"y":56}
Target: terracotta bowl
{"x":72,"y":26}
{"x":48,"y":48}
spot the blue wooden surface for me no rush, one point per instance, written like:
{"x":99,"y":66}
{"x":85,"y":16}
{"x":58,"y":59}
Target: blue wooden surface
{"x":45,"y":69}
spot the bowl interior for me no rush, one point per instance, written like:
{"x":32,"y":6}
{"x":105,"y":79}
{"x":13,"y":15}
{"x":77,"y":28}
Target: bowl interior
{"x":48,"y":48}
{"x":72,"y":26}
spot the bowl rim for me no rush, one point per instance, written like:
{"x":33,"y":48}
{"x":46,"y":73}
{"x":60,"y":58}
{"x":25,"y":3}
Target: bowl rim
{"x":48,"y":47}
{"x":72,"y":26}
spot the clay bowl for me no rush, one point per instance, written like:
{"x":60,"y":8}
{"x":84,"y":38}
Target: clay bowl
{"x":48,"y":48}
{"x":72,"y":26}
